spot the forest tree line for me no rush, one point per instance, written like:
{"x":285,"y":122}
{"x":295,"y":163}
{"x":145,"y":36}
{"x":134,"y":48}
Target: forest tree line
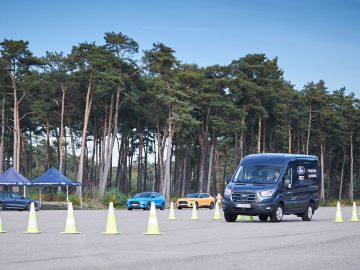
{"x":176,"y":127}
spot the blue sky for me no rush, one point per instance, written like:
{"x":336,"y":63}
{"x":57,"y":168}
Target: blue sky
{"x":313,"y":39}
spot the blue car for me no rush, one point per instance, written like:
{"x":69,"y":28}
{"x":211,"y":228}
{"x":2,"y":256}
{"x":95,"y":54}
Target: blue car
{"x":143,"y":201}
{"x":13,"y":200}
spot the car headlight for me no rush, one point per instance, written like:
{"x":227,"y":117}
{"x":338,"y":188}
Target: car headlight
{"x":227,"y":191}
{"x":267,"y":193}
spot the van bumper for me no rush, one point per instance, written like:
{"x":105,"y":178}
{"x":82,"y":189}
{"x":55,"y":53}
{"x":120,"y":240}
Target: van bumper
{"x":255,"y":209}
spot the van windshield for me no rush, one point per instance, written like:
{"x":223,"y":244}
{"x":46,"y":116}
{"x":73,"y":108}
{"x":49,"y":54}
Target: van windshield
{"x":257,"y":174}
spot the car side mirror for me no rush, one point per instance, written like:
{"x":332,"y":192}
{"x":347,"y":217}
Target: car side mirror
{"x":152,"y":197}
{"x":287,"y":183}
{"x":228,"y":180}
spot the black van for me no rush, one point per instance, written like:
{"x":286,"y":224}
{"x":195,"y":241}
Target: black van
{"x":273,"y":185}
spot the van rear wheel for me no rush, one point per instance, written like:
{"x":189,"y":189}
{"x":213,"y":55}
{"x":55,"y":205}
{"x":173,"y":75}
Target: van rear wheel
{"x":278,"y":214}
{"x":307,"y":215}
{"x":230,"y":217}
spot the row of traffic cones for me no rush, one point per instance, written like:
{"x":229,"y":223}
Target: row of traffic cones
{"x":338,"y":215}
{"x":111,"y":226}
{"x":33,"y":228}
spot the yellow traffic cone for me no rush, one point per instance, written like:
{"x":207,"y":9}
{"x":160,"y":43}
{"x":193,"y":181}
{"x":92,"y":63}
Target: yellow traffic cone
{"x":240,"y":218}
{"x":1,"y":227}
{"x":249,"y":218}
{"x":153,"y":226}
{"x":70,"y":227}
{"x":354,"y":217}
{"x":194,"y":214}
{"x":172,"y":212}
{"x":217,"y":212}
{"x":111,"y":227}
{"x":32,"y":224}
{"x":338,"y":216}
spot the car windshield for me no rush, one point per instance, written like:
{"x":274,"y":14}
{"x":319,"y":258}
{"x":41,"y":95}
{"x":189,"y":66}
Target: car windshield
{"x":257,"y":174}
{"x":143,"y":195}
{"x":192,"y":195}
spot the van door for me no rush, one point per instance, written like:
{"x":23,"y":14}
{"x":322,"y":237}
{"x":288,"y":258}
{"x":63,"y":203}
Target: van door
{"x":288,"y":192}
{"x":305,"y":178}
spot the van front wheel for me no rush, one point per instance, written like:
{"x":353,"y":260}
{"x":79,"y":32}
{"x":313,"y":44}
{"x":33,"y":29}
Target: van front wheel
{"x":307,"y":215}
{"x":278,"y":214}
{"x":230,"y":217}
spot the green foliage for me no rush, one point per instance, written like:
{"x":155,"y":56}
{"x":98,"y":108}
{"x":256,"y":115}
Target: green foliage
{"x":115,"y":196}
{"x":205,"y":106}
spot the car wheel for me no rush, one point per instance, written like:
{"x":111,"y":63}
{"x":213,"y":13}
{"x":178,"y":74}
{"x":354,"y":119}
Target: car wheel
{"x":307,"y":215}
{"x":1,"y":207}
{"x":263,"y":218}
{"x":37,"y":207}
{"x":211,"y":206}
{"x":162,"y":207}
{"x":130,"y":209}
{"x":278,"y":214}
{"x":179,"y":207}
{"x":148,"y":206}
{"x":230,"y":217}
{"x":28,"y":206}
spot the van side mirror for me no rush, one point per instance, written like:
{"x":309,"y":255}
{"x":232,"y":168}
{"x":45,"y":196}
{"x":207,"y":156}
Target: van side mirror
{"x":287,"y":183}
{"x":228,"y":180}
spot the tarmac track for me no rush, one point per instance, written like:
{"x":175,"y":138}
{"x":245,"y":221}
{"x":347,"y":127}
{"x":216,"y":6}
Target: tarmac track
{"x":186,"y":244}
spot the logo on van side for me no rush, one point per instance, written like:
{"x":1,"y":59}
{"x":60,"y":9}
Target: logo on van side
{"x":300,"y":170}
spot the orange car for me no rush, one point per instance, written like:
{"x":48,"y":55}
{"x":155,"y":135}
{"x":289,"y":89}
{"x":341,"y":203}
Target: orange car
{"x":200,"y":200}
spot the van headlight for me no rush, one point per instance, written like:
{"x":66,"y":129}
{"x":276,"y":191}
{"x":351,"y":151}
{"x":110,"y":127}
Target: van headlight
{"x":267,"y":193}
{"x":227,"y":191}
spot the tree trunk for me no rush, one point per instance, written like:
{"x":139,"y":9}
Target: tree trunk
{"x":16,"y":131}
{"x":259,"y":136}
{"x":30,"y":155}
{"x":160,"y":155}
{"x":216,"y":169}
{"x":110,"y":146}
{"x":210,"y":166}
{"x":342,"y":176}
{"x":145,"y":164}
{"x":322,"y":191}
{"x":264,"y":138}
{"x":167,"y":180}
{"x":83,"y":138}
{"x":351,"y":184}
{"x":235,"y":150}
{"x":73,"y":153}
{"x":139,"y":166}
{"x":289,"y":137}
{"x":47,"y":158}
{"x":226,"y":161}
{"x":63,"y":89}
{"x":242,"y":134}
{"x":2,"y":135}
{"x":308,"y":132}
{"x":203,"y":142}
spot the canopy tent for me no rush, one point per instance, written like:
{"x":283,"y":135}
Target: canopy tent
{"x":53,"y":177}
{"x":13,"y":178}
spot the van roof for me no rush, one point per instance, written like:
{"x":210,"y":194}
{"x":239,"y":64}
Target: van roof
{"x":273,"y":158}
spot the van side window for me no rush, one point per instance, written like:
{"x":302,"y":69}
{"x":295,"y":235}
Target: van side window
{"x":288,"y":175}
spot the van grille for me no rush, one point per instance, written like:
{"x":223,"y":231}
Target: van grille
{"x":244,"y":197}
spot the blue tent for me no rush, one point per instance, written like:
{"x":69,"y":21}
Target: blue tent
{"x":53,"y":177}
{"x":13,"y":178}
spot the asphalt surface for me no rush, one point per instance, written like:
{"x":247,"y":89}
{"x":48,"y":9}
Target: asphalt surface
{"x":185,"y":244}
